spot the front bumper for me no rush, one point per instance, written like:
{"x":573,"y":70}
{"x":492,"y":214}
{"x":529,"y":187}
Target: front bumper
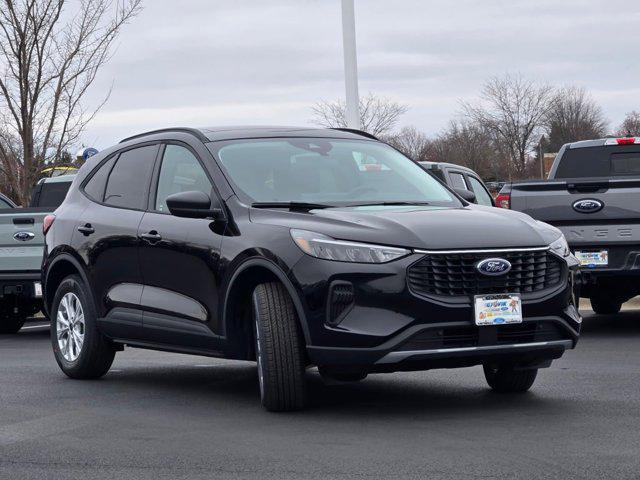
{"x":389,"y":328}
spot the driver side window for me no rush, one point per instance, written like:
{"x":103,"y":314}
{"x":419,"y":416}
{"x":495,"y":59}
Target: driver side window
{"x":180,"y":172}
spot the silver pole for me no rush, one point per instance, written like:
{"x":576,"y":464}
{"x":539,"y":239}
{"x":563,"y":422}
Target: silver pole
{"x":350,"y":64}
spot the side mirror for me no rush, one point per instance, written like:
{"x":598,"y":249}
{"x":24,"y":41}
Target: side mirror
{"x":467,"y":195}
{"x":193,"y":204}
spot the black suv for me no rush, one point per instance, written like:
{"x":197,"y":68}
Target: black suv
{"x":297,"y":247}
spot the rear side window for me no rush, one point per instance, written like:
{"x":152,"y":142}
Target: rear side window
{"x":609,"y":161}
{"x":97,"y":183}
{"x":128,"y":180}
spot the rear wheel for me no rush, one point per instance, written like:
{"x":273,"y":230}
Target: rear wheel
{"x":12,"y":323}
{"x":605,"y":305}
{"x":279,"y":349}
{"x":506,"y":379}
{"x":80,"y":349}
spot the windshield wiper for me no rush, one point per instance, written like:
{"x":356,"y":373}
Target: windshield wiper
{"x":367,"y":204}
{"x":291,"y":205}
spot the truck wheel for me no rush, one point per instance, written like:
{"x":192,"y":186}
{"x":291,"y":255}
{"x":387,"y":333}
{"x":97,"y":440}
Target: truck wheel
{"x":12,"y":323}
{"x":505,"y":379}
{"x":605,"y":306}
{"x":279,"y":349}
{"x":80,"y":349}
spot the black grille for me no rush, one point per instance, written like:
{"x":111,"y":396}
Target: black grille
{"x":473,"y":336}
{"x":455,"y":274}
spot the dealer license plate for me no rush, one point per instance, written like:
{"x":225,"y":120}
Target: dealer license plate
{"x":37,"y":289}
{"x":498,"y":309}
{"x":593,"y":259}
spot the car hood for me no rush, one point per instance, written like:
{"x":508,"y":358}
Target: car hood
{"x":420,"y":227}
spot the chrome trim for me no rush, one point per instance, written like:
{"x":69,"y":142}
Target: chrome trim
{"x":494,"y":250}
{"x":393,"y":357}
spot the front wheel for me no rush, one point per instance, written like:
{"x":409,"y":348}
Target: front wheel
{"x":506,"y":379}
{"x":78,"y":346}
{"x":279,"y":349}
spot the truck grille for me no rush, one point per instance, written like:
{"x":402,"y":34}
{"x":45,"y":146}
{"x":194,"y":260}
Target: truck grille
{"x":455,"y":274}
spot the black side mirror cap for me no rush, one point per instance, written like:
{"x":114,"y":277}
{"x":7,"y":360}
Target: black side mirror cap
{"x":192,"y":204}
{"x":467,"y":195}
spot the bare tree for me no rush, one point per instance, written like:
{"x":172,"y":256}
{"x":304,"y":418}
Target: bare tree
{"x":378,"y":115}
{"x":630,"y":126}
{"x":409,"y":141}
{"x":514,"y":109}
{"x":47,"y":65}
{"x":573,"y":116}
{"x":472,"y":145}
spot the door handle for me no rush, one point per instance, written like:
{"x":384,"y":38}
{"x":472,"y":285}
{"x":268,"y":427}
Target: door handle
{"x":151,"y":237}
{"x":86,"y":229}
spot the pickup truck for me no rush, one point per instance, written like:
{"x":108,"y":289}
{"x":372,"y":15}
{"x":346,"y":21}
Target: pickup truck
{"x":21,"y":250}
{"x":593,"y":196}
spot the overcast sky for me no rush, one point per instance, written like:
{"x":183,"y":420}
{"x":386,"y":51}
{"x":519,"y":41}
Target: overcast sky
{"x":224,"y":62}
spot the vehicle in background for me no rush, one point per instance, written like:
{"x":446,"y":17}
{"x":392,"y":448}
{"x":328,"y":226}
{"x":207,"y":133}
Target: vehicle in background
{"x":6,"y":202}
{"x":297,"y":247}
{"x":461,"y":179}
{"x":593,"y":196}
{"x":494,"y":187}
{"x":21,"y":249}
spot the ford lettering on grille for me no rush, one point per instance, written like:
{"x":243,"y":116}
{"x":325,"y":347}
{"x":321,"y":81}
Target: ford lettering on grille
{"x":588,"y":205}
{"x":493,"y":266}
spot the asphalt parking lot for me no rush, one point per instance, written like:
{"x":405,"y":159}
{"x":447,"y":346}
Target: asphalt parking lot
{"x":158,"y":415}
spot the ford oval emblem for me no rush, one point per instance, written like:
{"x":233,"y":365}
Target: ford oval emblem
{"x":493,"y":266}
{"x":588,"y":205}
{"x":23,"y":236}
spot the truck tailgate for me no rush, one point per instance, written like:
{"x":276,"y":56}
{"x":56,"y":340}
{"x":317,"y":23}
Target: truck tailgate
{"x":617,"y":220}
{"x":21,"y":239}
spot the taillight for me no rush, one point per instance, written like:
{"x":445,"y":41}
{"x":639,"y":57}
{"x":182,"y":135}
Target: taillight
{"x":503,"y":200}
{"x":47,"y":222}
{"x":622,"y":141}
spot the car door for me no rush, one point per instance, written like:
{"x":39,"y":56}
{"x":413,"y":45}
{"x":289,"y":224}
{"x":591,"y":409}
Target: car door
{"x":179,"y":258}
{"x":107,"y":237}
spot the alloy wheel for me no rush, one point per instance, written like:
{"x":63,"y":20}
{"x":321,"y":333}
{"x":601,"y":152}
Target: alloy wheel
{"x":70,"y":326}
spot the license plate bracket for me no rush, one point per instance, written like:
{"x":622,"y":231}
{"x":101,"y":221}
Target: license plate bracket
{"x":497,"y":309}
{"x":592,"y":258}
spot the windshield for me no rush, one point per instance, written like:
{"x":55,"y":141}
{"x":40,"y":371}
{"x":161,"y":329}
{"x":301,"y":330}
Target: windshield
{"x":326,"y":171}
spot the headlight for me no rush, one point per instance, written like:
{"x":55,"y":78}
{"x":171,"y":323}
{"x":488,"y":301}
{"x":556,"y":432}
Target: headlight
{"x":560,"y":247}
{"x":321,"y":246}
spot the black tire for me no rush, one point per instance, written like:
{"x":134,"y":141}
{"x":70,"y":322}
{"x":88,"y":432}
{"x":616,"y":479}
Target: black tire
{"x":96,"y":353}
{"x":506,"y":379}
{"x":279,"y":349}
{"x":12,"y":323}
{"x":605,"y":306}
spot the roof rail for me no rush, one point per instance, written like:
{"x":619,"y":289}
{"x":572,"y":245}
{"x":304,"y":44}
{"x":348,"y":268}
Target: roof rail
{"x":192,"y":131}
{"x":355,"y":131}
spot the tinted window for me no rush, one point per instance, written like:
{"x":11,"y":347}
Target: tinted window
{"x":609,"y":161}
{"x":180,"y":172}
{"x":457,"y":181}
{"x":97,"y":183}
{"x":128,"y":181}
{"x":328,"y":171}
{"x":482,"y":197}
{"x":625,"y":163}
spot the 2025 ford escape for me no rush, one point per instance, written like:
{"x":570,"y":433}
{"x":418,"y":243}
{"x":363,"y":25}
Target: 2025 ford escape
{"x":299,"y":247}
